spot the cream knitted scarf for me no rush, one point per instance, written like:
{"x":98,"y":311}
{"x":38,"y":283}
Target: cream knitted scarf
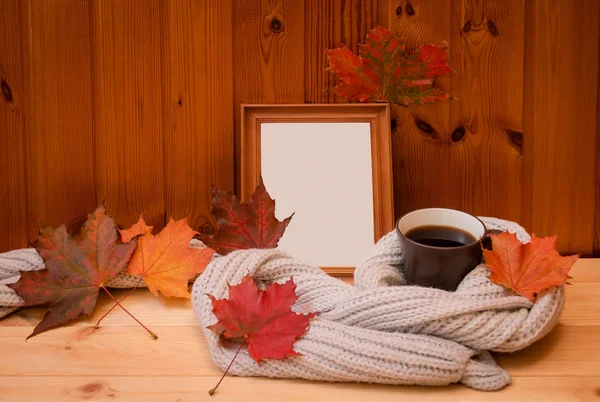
{"x":381,"y":330}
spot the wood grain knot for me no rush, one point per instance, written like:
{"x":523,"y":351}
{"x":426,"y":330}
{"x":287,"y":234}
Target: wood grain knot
{"x":426,"y":128}
{"x":393,"y":124}
{"x":207,"y":229}
{"x":6,"y":91}
{"x":467,"y":27}
{"x":458,"y":134}
{"x":399,"y":10}
{"x":492,"y":28}
{"x":91,"y":388}
{"x":275,"y":22}
{"x":94,"y":390}
{"x":180,"y":100}
{"x":516,"y":137}
{"x":276,"y":26}
{"x":410,"y":11}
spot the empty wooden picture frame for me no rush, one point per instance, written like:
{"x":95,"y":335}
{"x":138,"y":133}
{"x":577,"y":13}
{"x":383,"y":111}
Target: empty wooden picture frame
{"x":330,"y":165}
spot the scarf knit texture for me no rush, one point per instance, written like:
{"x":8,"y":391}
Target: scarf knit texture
{"x":382,"y":330}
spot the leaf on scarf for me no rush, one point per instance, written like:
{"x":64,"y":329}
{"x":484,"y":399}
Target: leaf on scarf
{"x":77,"y":267}
{"x":263,"y":319}
{"x":166,"y":261}
{"x":245,"y":225}
{"x":384,"y":72}
{"x":529,"y":268}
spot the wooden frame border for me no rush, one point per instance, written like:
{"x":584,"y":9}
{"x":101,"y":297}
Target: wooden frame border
{"x":376,"y":114}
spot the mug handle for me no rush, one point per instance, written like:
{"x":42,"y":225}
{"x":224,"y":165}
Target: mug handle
{"x":487,"y":241}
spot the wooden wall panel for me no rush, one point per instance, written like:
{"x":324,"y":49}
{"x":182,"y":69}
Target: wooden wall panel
{"x":330,"y":24}
{"x":13,"y":202}
{"x":197,"y":83}
{"x":491,"y":104}
{"x":268,"y":57}
{"x":597,"y":173}
{"x":421,"y":130}
{"x":465,"y":153}
{"x":137,"y":103}
{"x":560,"y":141}
{"x":219,"y":124}
{"x":128,"y":109}
{"x":60,"y":140}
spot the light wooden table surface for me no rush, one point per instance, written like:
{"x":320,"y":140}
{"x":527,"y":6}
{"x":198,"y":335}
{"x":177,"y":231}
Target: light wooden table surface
{"x":120,"y":362}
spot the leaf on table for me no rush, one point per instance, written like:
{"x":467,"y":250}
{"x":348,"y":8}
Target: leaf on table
{"x":77,"y":266}
{"x":245,"y":225}
{"x":529,"y":268}
{"x":263,"y":319}
{"x":384,"y":72}
{"x":166,"y":261}
{"x":137,"y":229}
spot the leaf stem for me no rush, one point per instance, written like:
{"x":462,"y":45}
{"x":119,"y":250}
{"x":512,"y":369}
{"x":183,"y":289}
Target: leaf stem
{"x":115,"y":305}
{"x":212,"y":391}
{"x":131,"y":315}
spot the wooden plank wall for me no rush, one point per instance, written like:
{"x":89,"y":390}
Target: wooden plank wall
{"x":136,"y":103}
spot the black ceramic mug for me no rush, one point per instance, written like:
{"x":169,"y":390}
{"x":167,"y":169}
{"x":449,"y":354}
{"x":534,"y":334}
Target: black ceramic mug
{"x":435,"y":261}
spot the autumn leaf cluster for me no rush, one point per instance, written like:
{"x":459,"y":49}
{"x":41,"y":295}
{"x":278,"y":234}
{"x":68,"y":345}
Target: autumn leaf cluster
{"x":383,"y":71}
{"x":80,"y":265}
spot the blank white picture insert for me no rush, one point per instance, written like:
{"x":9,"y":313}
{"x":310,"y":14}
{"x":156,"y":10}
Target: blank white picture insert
{"x":323,"y":173}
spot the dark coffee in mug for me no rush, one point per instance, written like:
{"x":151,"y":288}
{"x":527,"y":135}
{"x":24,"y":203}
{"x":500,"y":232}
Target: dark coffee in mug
{"x":439,"y":246}
{"x":440,"y":236}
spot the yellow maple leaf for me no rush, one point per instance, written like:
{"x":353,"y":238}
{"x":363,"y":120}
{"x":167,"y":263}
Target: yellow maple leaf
{"x":136,"y":229}
{"x":166,"y":262}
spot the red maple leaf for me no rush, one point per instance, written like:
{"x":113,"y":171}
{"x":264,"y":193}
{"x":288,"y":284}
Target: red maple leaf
{"x":384,"y":72}
{"x":355,"y":84}
{"x":433,"y":58}
{"x":529,"y":268}
{"x":263,"y":319}
{"x":245,"y":225}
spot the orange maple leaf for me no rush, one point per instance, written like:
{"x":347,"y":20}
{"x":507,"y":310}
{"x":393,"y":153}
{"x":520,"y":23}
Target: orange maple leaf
{"x":528,"y":268}
{"x":166,"y":262}
{"x":137,"y":229}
